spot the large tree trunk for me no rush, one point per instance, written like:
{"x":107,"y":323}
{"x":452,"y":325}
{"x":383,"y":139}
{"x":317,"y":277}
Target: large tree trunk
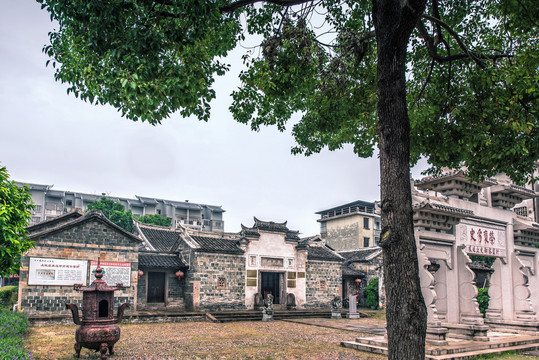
{"x":406,"y":312}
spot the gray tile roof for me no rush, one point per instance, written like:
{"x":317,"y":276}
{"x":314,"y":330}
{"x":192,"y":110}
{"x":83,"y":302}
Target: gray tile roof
{"x":160,"y":239}
{"x":56,"y":221}
{"x":322,"y":253}
{"x":348,"y":271}
{"x":149,"y":260}
{"x":270,"y":226}
{"x":76,"y":221}
{"x":427,"y":204}
{"x":213,"y":244}
{"x":479,"y":265}
{"x":292,"y":236}
{"x":360,"y":254}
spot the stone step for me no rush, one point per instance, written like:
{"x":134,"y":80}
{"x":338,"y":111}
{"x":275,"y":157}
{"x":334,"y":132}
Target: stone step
{"x":456,"y":350}
{"x":277,"y":315}
{"x":472,"y":354}
{"x":365,"y":347}
{"x":481,"y":346}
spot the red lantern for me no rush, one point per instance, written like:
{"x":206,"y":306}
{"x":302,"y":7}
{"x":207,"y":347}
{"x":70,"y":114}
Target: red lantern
{"x":140,"y":273}
{"x":179,"y":274}
{"x":357,"y":281}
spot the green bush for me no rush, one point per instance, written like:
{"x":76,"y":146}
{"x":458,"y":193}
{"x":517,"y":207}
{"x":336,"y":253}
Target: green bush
{"x":371,"y":292}
{"x":12,"y":328}
{"x":483,"y":299}
{"x":8,"y":296}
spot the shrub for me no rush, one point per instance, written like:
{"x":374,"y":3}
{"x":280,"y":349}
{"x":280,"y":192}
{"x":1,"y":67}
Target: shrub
{"x":12,"y":328}
{"x":371,"y":292}
{"x":483,"y":299}
{"x":8,"y":296}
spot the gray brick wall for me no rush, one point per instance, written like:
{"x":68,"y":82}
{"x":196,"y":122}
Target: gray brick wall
{"x":318,"y":274}
{"x":87,"y":241}
{"x":207,"y":269}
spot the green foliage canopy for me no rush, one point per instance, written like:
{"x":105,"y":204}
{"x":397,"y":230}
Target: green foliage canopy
{"x":471,"y":84}
{"x":15,"y":212}
{"x":155,"y":219}
{"x":114,"y":211}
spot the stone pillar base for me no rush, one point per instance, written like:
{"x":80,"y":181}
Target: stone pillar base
{"x":436,"y":335}
{"x":336,"y":315}
{"x":522,"y":327}
{"x":468,"y":331}
{"x":267,"y":317}
{"x":353,"y":316}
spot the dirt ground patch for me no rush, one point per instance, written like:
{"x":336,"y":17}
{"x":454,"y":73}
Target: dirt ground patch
{"x":204,"y":340}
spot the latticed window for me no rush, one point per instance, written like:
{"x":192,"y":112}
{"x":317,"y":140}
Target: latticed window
{"x":221,"y":283}
{"x":522,"y":211}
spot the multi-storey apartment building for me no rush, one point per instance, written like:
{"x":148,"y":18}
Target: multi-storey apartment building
{"x":350,"y":226}
{"x":50,"y":203}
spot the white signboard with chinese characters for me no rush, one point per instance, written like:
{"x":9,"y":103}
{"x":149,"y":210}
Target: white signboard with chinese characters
{"x":483,"y":240}
{"x":113,"y":272}
{"x":43,"y":271}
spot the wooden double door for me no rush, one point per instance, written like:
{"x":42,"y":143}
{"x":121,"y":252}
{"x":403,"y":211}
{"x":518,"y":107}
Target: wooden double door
{"x":273,"y":283}
{"x":156,"y":287}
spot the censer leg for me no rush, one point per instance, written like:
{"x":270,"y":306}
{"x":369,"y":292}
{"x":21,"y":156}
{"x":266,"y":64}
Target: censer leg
{"x":111,"y":349}
{"x":77,"y":349}
{"x":103,"y":350}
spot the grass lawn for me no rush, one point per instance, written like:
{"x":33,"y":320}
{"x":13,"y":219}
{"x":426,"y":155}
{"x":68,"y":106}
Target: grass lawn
{"x":204,"y":340}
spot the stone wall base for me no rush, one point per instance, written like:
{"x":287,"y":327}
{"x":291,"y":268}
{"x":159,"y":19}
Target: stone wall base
{"x":467,"y":332}
{"x":521,"y":327}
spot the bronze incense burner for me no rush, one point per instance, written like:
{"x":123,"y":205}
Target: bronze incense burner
{"x":98,"y":329}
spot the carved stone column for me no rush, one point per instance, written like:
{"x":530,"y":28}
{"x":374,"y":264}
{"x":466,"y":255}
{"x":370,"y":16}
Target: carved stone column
{"x":521,"y":293}
{"x":470,"y":317}
{"x":436,"y":334}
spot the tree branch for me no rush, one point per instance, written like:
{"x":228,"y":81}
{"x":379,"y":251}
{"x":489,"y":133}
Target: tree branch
{"x":431,"y":47}
{"x":241,"y":3}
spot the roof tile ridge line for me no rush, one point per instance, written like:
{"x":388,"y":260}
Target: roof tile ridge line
{"x":333,"y":251}
{"x":96,"y":214}
{"x":143,"y":237}
{"x":175,"y":246}
{"x":363,"y":249}
{"x":373,"y":254}
{"x":189,"y":240}
{"x":56,"y":218}
{"x":65,"y":224}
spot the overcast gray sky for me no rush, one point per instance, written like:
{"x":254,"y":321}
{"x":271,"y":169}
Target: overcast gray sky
{"x":48,"y":137}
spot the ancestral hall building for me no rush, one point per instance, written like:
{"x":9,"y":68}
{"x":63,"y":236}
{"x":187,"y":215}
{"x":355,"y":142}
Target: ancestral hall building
{"x":177,"y":269}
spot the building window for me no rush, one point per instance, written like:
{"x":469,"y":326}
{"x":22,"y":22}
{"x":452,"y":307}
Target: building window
{"x":36,"y":219}
{"x":366,"y":241}
{"x":158,"y":211}
{"x":37,"y":208}
{"x":366,"y":223}
{"x":253,"y":260}
{"x":522,"y":211}
{"x":377,"y":225}
{"x":376,"y":240}
{"x":221,"y":282}
{"x":69,"y":202}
